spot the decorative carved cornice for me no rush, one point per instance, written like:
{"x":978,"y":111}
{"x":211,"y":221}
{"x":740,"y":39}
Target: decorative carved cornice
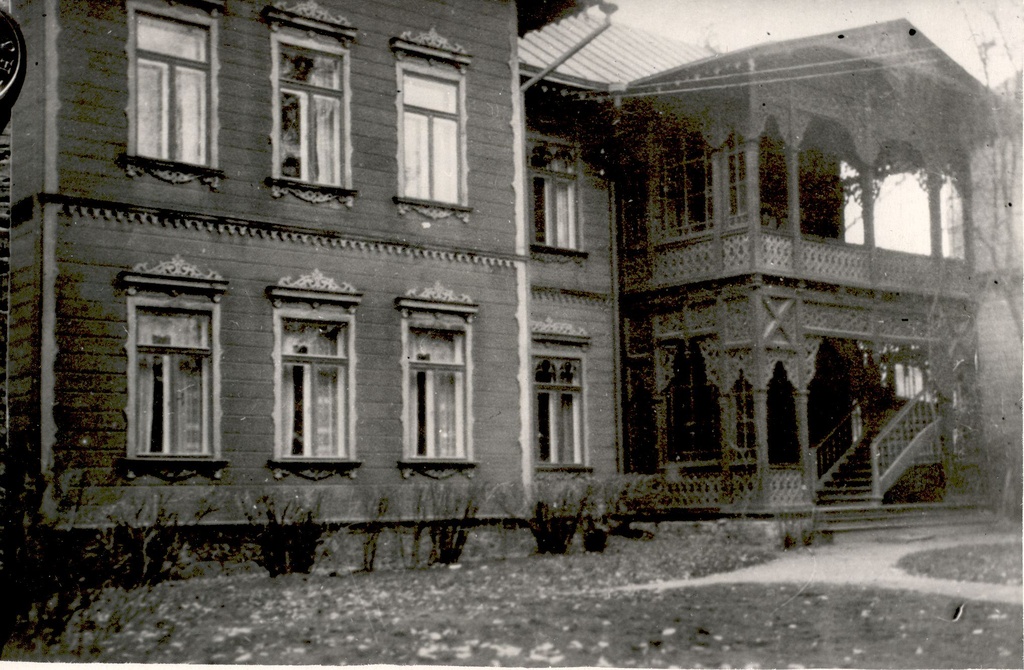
{"x":432,"y":210}
{"x":174,"y":276}
{"x":170,"y":171}
{"x":432,"y":46}
{"x":433,"y":40}
{"x":273,"y":232}
{"x":317,"y":281}
{"x":438,"y":293}
{"x":549,"y":327}
{"x":314,"y":288}
{"x":315,"y":194}
{"x":310,"y":9}
{"x":176,"y":267}
{"x":309,"y":16}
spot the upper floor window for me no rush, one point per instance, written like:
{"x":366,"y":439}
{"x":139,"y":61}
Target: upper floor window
{"x":736,"y":170}
{"x":172,"y":95}
{"x":686,"y":189}
{"x":555,"y":222}
{"x":311,"y":111}
{"x":431,"y":136}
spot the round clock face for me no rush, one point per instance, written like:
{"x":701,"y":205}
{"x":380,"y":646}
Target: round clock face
{"x":12,"y":57}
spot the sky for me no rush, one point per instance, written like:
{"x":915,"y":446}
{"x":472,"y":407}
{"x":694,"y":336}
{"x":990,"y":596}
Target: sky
{"x":956,"y":26}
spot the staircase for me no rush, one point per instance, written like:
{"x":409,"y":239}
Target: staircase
{"x":850,"y":482}
{"x":861,"y":476}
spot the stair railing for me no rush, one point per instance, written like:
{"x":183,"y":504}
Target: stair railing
{"x":910,"y":430}
{"x":830,"y":450}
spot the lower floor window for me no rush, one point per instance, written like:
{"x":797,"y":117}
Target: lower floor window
{"x":172,"y":382}
{"x":558,"y":411}
{"x":437,"y":385}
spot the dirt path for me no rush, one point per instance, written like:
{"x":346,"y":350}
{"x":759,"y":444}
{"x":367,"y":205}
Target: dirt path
{"x":868,"y":560}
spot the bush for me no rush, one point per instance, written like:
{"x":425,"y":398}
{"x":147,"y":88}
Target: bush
{"x":444,"y":513}
{"x":557,"y":514}
{"x":288,"y":534}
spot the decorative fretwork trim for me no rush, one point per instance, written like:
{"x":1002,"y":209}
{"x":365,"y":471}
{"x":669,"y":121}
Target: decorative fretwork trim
{"x":315,"y":288}
{"x":558,"y":332}
{"x":313,"y":470}
{"x":308,"y":15}
{"x":432,"y":210}
{"x":272,"y":232}
{"x":171,"y":469}
{"x":436,"y":469}
{"x":570,"y":296}
{"x":432,"y":46}
{"x":174,"y":276}
{"x":171,"y":172}
{"x":315,"y":194}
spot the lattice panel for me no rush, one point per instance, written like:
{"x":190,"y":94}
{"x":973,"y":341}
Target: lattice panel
{"x":786,"y":487}
{"x":835,"y":318}
{"x":742,"y":488}
{"x":911,"y":326}
{"x":901,"y":270}
{"x":684,"y":263}
{"x":736,"y":323}
{"x":834,"y":263}
{"x":636,"y":273}
{"x":697,"y":490}
{"x":776,"y":253}
{"x":700,"y":317}
{"x":736,"y":252}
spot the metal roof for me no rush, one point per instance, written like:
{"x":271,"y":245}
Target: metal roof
{"x":618,"y":55}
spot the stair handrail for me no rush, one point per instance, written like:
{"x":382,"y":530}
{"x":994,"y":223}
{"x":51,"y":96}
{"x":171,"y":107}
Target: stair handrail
{"x":881,"y":460}
{"x":833,"y":463}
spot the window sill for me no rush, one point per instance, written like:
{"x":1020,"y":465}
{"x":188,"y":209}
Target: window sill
{"x":172,"y":468}
{"x":559,"y":251}
{"x":315,"y":194}
{"x":435,"y":468}
{"x":564,"y":468}
{"x":171,"y":172}
{"x":313,"y":469}
{"x":432,"y":209}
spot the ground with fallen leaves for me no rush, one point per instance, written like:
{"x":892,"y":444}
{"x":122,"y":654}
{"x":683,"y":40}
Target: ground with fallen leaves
{"x":543,"y":611}
{"x":990,"y":563}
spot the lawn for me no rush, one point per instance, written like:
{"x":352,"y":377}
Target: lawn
{"x":990,"y":563}
{"x":547,"y":610}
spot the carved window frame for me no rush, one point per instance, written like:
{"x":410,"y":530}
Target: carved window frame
{"x":433,"y":311}
{"x":563,"y":342}
{"x":551,"y":178}
{"x":430,"y":56}
{"x":330,"y":35}
{"x":201,"y":13}
{"x":173,"y":293}
{"x":327,"y":304}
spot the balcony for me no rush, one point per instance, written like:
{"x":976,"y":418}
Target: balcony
{"x":737,"y":253}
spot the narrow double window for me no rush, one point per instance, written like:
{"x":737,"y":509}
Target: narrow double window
{"x":314,"y":385}
{"x":311,"y":113}
{"x":437,"y":370}
{"x":173,"y":382}
{"x":431,"y":138}
{"x":553,"y":168}
{"x":558,"y":411}
{"x":172,"y":89}
{"x":736,"y":169}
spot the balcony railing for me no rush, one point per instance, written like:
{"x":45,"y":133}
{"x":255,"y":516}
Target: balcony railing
{"x":705,"y":257}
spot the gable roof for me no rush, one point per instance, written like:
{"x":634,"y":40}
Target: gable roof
{"x":618,"y":55}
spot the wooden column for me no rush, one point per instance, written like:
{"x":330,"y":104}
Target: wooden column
{"x":935,"y":212}
{"x":760,"y":393}
{"x":793,"y":188}
{"x":808,"y":459}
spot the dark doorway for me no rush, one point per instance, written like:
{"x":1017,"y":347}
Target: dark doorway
{"x":693,"y":428}
{"x":783,"y":444}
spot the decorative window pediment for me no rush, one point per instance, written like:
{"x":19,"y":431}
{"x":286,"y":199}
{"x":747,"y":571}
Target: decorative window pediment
{"x":309,"y":16}
{"x":174,"y":276}
{"x":314,"y":289}
{"x":432,"y":46}
{"x":556,"y":332}
{"x":439,"y":300}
